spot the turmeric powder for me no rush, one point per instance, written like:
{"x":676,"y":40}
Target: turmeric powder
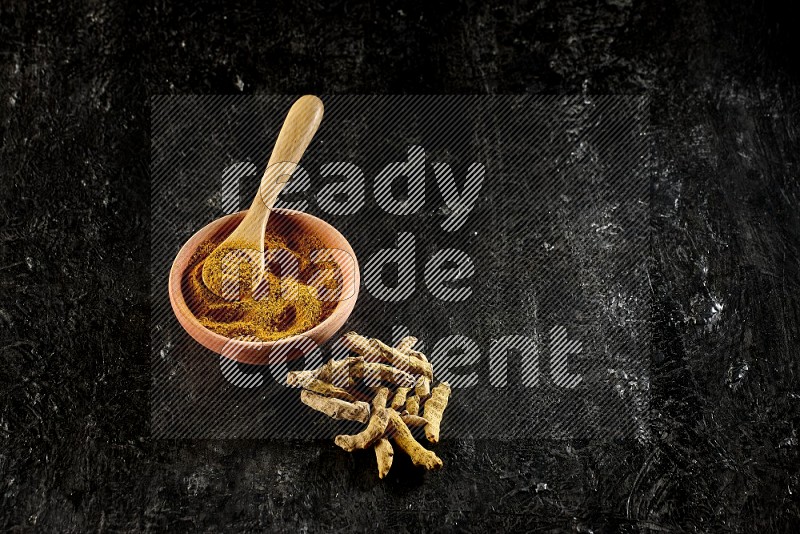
{"x":278,"y":306}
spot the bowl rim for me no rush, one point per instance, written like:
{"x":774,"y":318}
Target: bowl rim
{"x":179,"y":304}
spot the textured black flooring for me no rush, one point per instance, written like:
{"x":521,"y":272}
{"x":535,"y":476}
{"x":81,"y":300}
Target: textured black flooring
{"x":75,"y":452}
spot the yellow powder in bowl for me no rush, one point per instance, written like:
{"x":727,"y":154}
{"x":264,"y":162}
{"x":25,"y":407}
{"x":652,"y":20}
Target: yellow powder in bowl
{"x":281,"y":305}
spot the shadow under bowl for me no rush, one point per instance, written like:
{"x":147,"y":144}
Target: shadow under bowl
{"x":283,"y":222}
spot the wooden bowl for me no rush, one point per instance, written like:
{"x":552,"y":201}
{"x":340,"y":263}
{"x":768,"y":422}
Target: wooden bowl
{"x":281,"y":221}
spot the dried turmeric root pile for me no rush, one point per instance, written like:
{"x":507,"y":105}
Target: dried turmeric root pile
{"x":389,"y":389}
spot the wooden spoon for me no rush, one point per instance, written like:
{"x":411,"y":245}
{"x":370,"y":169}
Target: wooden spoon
{"x":246,"y":242}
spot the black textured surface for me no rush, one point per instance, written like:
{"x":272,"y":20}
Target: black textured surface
{"x":74,"y":448}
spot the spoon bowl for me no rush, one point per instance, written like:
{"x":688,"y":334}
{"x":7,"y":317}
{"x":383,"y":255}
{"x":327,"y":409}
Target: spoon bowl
{"x":283,"y":222}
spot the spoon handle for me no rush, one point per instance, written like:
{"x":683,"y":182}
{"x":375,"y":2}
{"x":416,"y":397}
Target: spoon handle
{"x":298,"y":129}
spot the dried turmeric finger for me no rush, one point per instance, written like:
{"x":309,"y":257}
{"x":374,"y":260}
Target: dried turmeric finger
{"x":338,"y":372}
{"x":375,"y":428}
{"x":399,"y":399}
{"x":406,"y":343}
{"x":375,"y":350}
{"x":384,"y":453}
{"x":403,"y":361}
{"x":336,"y":408}
{"x":412,"y":405}
{"x":416,"y":354}
{"x":423,"y":388}
{"x":298,"y":378}
{"x":373,"y":373}
{"x":406,"y":346}
{"x":413,"y":420}
{"x":402,"y":437}
{"x":366,"y":438}
{"x":381,"y":398}
{"x":361,"y":346}
{"x":434,"y":408}
{"x":323,"y":388}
